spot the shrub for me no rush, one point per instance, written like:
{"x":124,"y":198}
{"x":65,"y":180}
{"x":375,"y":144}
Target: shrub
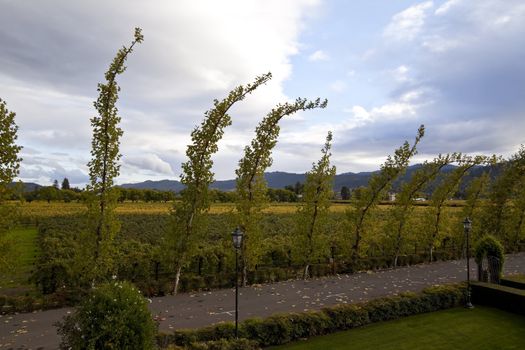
{"x":344,"y":317}
{"x":489,"y":246}
{"x":113,"y":316}
{"x":225,"y":344}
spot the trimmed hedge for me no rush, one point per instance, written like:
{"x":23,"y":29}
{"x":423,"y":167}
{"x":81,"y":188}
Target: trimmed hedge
{"x":29,"y":303}
{"x":502,"y":297}
{"x":517,"y":281}
{"x":223,"y":344}
{"x":283,"y":328}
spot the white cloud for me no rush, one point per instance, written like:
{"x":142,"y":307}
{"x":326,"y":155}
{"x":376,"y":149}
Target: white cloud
{"x":360,"y":113}
{"x":407,"y":24}
{"x":439,"y":44}
{"x":400,"y":74}
{"x":403,"y":109}
{"x":150,"y":162}
{"x":338,"y":86}
{"x":443,"y":9}
{"x":319,"y":55}
{"x":193,"y":52}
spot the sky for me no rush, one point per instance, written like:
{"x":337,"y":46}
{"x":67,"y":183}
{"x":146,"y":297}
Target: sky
{"x":385,"y":67}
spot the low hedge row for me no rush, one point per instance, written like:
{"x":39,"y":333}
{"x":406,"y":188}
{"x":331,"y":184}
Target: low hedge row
{"x":517,"y":281}
{"x":29,"y":303}
{"x":502,"y":297}
{"x":223,"y":344}
{"x":284,"y":328}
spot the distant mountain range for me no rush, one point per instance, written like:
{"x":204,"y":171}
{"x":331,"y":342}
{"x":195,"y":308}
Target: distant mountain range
{"x":27,"y":186}
{"x":279,"y":179}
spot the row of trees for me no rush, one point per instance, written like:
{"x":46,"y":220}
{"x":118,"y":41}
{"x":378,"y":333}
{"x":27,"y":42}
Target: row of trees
{"x":502,"y":214}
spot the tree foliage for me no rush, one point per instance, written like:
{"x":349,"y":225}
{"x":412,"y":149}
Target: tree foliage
{"x":438,"y":226}
{"x":378,"y":185}
{"x":113,"y":316}
{"x":65,"y":184}
{"x":312,"y":231}
{"x":345,"y":193}
{"x":503,"y":216}
{"x":250,"y":183}
{"x":197,"y":175}
{"x":104,"y":166}
{"x":400,"y":213}
{"x":9,"y":169}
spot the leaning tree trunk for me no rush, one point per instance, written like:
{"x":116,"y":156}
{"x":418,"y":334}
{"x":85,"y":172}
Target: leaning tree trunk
{"x":244,"y":275}
{"x":177,"y":279}
{"x":306,"y":273}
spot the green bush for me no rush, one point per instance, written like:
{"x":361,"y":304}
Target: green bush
{"x":29,"y":303}
{"x":113,"y":316}
{"x":225,"y":344}
{"x":489,"y":246}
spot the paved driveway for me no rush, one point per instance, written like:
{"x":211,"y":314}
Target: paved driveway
{"x":36,"y":331}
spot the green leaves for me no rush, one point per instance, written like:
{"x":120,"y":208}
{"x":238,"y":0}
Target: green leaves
{"x":9,"y":169}
{"x":197,"y":175}
{"x":9,"y":160}
{"x":113,"y":316}
{"x":378,"y":185}
{"x":103,"y":166}
{"x":251,"y":186}
{"x":314,"y":210}
{"x":504,"y":215}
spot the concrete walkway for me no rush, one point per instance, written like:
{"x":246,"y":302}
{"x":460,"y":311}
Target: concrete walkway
{"x":36,"y":331}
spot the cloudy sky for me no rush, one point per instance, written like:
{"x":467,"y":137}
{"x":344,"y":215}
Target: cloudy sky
{"x":385,"y":67}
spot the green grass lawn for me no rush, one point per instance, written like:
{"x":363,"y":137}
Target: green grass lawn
{"x":479,"y":328}
{"x":517,"y":278}
{"x":21,"y":259}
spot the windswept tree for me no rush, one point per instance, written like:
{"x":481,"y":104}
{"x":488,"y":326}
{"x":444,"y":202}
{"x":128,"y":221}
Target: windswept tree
{"x":499,"y":209}
{"x":400,"y":213}
{"x":377,"y":187}
{"x":516,"y":226}
{"x":475,"y":198}
{"x":251,"y":185}
{"x":104,"y":166}
{"x":9,"y":169}
{"x":437,"y":223}
{"x":187,"y":214}
{"x":313,"y":211}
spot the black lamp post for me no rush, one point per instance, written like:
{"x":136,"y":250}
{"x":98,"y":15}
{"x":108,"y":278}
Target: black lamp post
{"x":237,"y":243}
{"x":467,"y":225}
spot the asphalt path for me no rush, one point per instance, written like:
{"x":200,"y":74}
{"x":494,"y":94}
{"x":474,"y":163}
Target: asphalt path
{"x":190,"y":310}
